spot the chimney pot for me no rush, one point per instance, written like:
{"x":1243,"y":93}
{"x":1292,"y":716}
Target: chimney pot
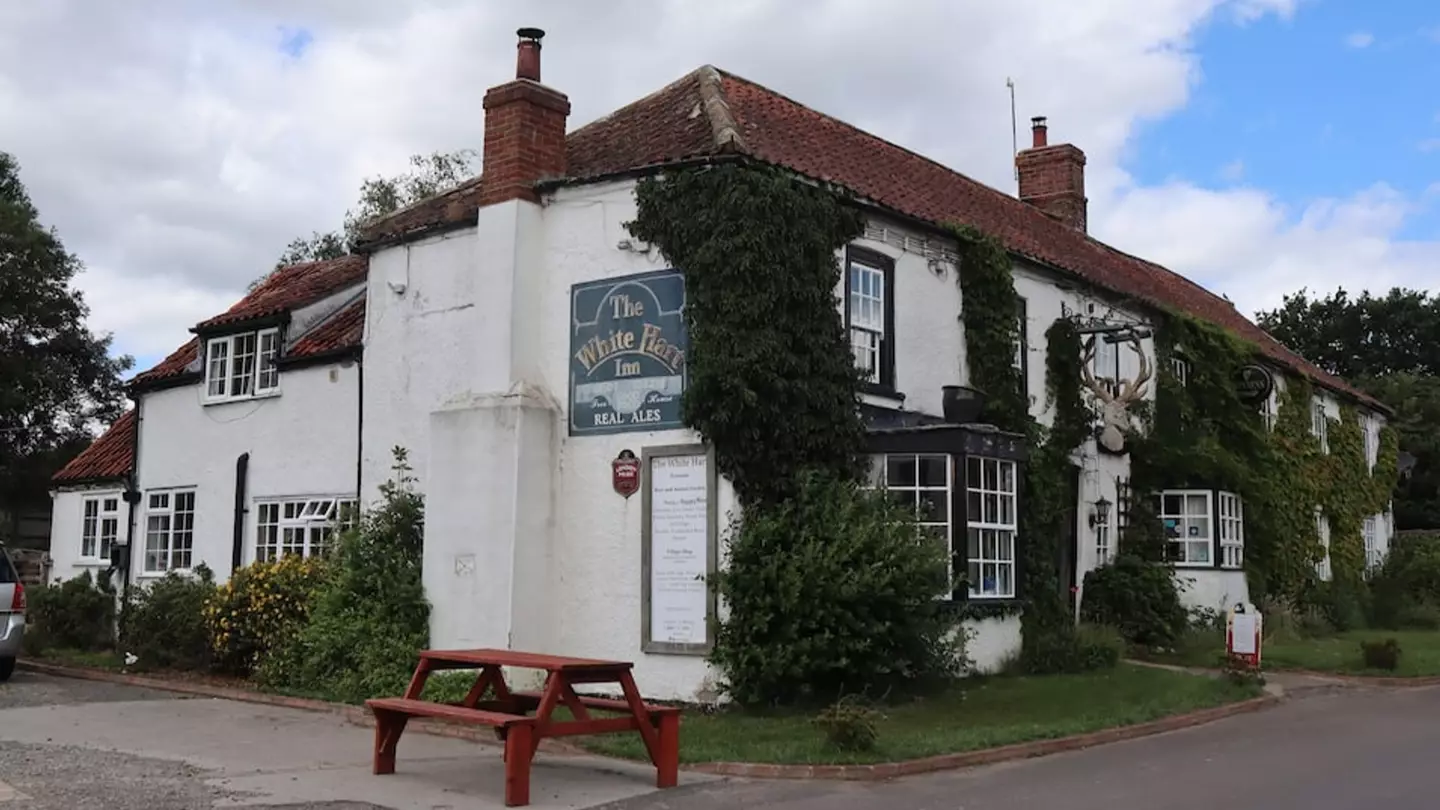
{"x":527,"y":59}
{"x":1038,"y":131}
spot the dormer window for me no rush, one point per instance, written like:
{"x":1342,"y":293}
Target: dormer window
{"x":242,"y":366}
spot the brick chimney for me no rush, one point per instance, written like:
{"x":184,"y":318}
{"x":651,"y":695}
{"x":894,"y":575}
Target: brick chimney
{"x":1052,"y":178}
{"x":524,"y":129}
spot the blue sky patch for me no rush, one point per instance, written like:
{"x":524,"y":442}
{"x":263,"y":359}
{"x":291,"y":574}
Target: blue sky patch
{"x":295,"y":41}
{"x":1324,"y":104}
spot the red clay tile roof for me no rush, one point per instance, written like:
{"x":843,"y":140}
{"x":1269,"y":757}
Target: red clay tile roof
{"x":110,"y":457}
{"x":286,"y":289}
{"x":710,"y":112}
{"x":293,"y":286}
{"x":343,"y":330}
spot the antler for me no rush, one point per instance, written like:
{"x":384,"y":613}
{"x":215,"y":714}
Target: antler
{"x":1132,"y":390}
{"x":1087,"y":377}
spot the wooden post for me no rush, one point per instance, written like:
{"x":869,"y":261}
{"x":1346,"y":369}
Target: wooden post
{"x":519,"y":750}
{"x":667,"y":765}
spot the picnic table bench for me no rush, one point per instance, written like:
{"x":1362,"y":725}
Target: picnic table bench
{"x":508,"y":711}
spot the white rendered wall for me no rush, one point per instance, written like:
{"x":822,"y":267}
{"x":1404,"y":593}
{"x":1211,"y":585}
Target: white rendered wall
{"x":66,"y":527}
{"x":302,"y":442}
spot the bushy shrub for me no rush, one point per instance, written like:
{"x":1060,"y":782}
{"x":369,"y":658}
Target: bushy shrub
{"x":1085,"y":649}
{"x":832,"y":592}
{"x":369,"y":618}
{"x":849,"y":725}
{"x":263,"y":604}
{"x":164,"y":625}
{"x":1138,"y":598}
{"x":1405,"y":592}
{"x":77,"y":614}
{"x":1381,"y":654}
{"x":1340,"y":606}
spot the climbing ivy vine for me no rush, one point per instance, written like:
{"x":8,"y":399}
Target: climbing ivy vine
{"x":1201,"y":434}
{"x":988,"y":313}
{"x":772,"y":384}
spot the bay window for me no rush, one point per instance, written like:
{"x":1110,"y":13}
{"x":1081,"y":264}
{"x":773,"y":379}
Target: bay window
{"x":992,"y":523}
{"x":964,"y":488}
{"x":242,"y":366}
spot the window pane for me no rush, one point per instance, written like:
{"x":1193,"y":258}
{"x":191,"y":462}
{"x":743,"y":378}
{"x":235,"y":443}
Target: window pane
{"x":934,"y":471}
{"x":1171,"y":504}
{"x":900,"y":471}
{"x":1196,"y":505}
{"x":269,"y":351}
{"x":217,"y":369}
{"x":934,"y":506}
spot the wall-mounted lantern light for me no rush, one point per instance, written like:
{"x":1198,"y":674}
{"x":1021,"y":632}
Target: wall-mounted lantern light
{"x":1100,"y":515}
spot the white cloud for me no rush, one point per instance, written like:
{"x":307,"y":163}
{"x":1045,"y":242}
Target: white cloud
{"x":1359,"y":39}
{"x":178,"y":146}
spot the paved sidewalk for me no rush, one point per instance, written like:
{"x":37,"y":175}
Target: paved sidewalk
{"x":220,"y":753}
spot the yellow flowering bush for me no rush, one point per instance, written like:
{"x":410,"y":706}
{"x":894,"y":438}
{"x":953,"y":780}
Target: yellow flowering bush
{"x":262,"y":604}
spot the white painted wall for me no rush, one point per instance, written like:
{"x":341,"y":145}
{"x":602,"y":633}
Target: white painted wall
{"x":302,"y":442}
{"x":1212,"y":588}
{"x":992,"y":643}
{"x":66,"y":519}
{"x":466,"y":365}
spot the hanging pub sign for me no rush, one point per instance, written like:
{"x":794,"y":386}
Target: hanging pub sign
{"x":627,"y":353}
{"x":625,"y":473}
{"x":1253,"y":383}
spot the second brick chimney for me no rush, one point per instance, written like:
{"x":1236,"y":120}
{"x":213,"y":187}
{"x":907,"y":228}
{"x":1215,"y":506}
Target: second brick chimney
{"x":524,"y":129}
{"x":1052,"y":178}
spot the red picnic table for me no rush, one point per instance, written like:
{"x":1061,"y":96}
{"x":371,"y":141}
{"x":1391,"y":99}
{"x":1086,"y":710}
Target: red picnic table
{"x":506,"y":710}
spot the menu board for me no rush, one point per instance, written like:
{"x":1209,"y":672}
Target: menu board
{"x":679,"y":555}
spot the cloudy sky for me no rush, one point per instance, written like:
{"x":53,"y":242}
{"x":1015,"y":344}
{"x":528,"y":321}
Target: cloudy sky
{"x":1257,"y":146}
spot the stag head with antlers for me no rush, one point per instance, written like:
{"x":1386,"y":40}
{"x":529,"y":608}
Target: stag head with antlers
{"x":1115,"y":403}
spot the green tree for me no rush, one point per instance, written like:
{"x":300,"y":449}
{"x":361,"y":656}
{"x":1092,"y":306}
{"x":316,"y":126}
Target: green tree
{"x":1389,"y":346}
{"x":59,"y":380}
{"x":1364,"y":337}
{"x":428,"y":175}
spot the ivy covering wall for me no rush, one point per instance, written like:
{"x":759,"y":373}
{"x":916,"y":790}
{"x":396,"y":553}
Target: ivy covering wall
{"x":772,"y":383}
{"x":989,"y":306}
{"x":1201,"y":434}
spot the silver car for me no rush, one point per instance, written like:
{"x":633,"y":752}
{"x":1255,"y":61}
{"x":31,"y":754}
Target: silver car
{"x":12,"y":615}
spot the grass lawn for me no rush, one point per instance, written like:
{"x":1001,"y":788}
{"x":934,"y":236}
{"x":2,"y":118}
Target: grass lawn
{"x":985,"y":713}
{"x":1419,"y":653}
{"x":103,"y":659}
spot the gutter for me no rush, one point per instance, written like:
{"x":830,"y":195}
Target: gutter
{"x":242,"y":475}
{"x":359,"y":427}
{"x":132,"y":496}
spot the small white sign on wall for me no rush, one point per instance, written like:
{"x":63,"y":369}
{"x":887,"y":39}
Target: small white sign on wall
{"x":679,"y":550}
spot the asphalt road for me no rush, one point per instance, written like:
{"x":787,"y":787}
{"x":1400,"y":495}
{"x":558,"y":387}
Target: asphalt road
{"x":1350,"y":749}
{"x":1338,"y":749}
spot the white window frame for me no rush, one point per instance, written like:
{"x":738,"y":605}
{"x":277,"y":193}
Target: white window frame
{"x":1267,"y":411}
{"x":1230,"y":521}
{"x":1372,"y":443}
{"x":1322,"y":530}
{"x":99,"y":526}
{"x":1320,"y":423}
{"x":169,"y":531}
{"x":259,"y":377}
{"x":1104,"y":551}
{"x":915,"y":492}
{"x":865,"y":295}
{"x":1180,"y":367}
{"x":1105,"y":364}
{"x":1370,"y":531}
{"x":1185,"y":516}
{"x":299,"y":525}
{"x":991,"y":529}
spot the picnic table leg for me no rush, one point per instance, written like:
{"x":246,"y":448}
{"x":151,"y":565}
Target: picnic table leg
{"x":642,"y":716}
{"x":667,"y":765}
{"x":388,"y":728}
{"x":519,"y":751}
